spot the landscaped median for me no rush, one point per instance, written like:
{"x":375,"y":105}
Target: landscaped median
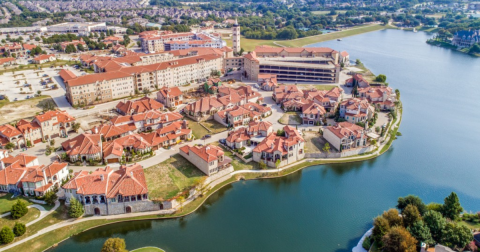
{"x":56,"y":227}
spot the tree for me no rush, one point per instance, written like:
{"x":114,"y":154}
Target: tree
{"x":262,"y":165}
{"x":6,"y":235}
{"x":421,"y":232}
{"x":76,"y":126}
{"x":181,"y":200}
{"x":381,"y":78}
{"x":19,"y":229}
{"x":456,"y":236}
{"x":326,"y":148}
{"x":398,"y":239}
{"x":436,"y":223}
{"x":39,"y":92}
{"x":380,"y":228}
{"x":393,"y":217}
{"x":19,"y":209}
{"x":410,"y":215}
{"x":9,"y":146}
{"x":80,"y":47}
{"x":114,"y":245}
{"x":75,"y":209}
{"x":51,"y":197}
{"x":411,"y":200}
{"x":451,"y":208}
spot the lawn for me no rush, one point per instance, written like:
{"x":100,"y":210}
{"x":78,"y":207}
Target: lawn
{"x":250,"y":44}
{"x":148,"y":249}
{"x":330,"y":36}
{"x":36,"y":66}
{"x":16,"y":110}
{"x":290,"y":118}
{"x":31,"y":215}
{"x":199,"y":131}
{"x":6,"y":202}
{"x":237,"y":163}
{"x":172,"y":176}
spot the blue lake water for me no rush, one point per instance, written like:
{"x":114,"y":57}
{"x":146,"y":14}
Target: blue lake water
{"x":329,"y":207}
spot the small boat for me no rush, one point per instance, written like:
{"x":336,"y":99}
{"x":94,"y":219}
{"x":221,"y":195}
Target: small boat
{"x":339,"y":39}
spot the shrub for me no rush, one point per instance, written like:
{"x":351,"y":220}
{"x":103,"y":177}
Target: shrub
{"x":19,"y":209}
{"x":51,"y":197}
{"x":367,"y":243}
{"x":19,"y":229}
{"x":75,"y":209}
{"x":6,"y":235}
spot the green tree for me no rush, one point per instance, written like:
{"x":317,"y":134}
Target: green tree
{"x":19,"y":229}
{"x":436,"y":223}
{"x":326,"y":148}
{"x":381,"y":78}
{"x":19,"y":209}
{"x":75,"y":209}
{"x":393,"y":217}
{"x":262,"y":165}
{"x":6,"y":235}
{"x":380,"y":228}
{"x":181,"y":200}
{"x":451,"y":208}
{"x":421,"y":232}
{"x":398,"y":239}
{"x":9,"y":146}
{"x":435,"y":207}
{"x":456,"y":236}
{"x":411,"y":200}
{"x":76,"y":126}
{"x":51,"y":197}
{"x":114,"y":245}
{"x":410,"y":215}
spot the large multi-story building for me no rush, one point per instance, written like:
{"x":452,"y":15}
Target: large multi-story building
{"x":236,"y":37}
{"x":311,"y":64}
{"x":167,"y":42}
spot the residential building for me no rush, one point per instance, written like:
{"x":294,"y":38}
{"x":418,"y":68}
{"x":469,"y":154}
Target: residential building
{"x":210,"y":159}
{"x":344,"y":58}
{"x":286,"y":149}
{"x":39,"y":180}
{"x":114,"y":150}
{"x":345,"y":136}
{"x":8,"y":61}
{"x":141,"y":105}
{"x":356,"y":110}
{"x":150,"y":120}
{"x":204,"y":108}
{"x":84,"y":147}
{"x":110,"y":131}
{"x":381,"y":97}
{"x":19,"y":161}
{"x":310,"y":64}
{"x":106,"y":192}
{"x":313,"y":114}
{"x":267,"y":82}
{"x":242,"y":115}
{"x":50,"y":124}
{"x":170,"y":97}
{"x":357,"y":80}
{"x":466,"y":38}
{"x":44,"y":58}
{"x":10,"y":134}
{"x":75,"y":43}
{"x":169,"y":135}
{"x":242,"y":137}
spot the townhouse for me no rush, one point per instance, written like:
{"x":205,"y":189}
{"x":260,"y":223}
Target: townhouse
{"x":248,"y":136}
{"x":313,"y":114}
{"x":84,"y":147}
{"x":209,"y":159}
{"x":170,"y":97}
{"x":107,"y":192}
{"x":44,"y":58}
{"x":39,"y":180}
{"x":345,"y":136}
{"x":383,"y":98}
{"x":110,"y":131}
{"x":7,"y":61}
{"x":21,"y":160}
{"x":115,"y":150}
{"x":50,"y":124}
{"x":169,"y":135}
{"x":357,"y":80}
{"x":141,"y":105}
{"x":10,"y":134}
{"x":355,"y":110}
{"x":267,"y":82}
{"x":150,"y":120}
{"x":278,"y":151}
{"x":242,"y":115}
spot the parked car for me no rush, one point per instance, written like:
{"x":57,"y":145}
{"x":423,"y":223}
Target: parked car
{"x":208,"y":136}
{"x":223,"y":141}
{"x":28,"y":97}
{"x":15,"y":99}
{"x":264,"y":104}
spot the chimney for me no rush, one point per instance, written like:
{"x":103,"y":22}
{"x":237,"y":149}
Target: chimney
{"x":271,"y":146}
{"x":166,"y":118}
{"x":96,"y":130}
{"x":44,"y":175}
{"x":131,"y":174}
{"x":285,"y":88}
{"x":102,"y":177}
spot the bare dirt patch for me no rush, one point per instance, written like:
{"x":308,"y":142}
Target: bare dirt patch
{"x":14,"y":111}
{"x":314,"y":142}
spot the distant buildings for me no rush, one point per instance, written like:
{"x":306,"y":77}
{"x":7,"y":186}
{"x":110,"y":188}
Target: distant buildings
{"x":159,"y":42}
{"x":466,"y":38}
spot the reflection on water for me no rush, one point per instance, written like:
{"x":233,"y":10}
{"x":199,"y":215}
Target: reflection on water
{"x":113,"y":229}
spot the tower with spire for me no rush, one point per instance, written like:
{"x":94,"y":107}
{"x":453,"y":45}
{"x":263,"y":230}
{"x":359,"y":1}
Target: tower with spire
{"x":236,"y":37}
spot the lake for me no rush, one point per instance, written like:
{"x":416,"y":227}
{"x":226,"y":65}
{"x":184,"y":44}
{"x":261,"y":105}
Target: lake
{"x":329,"y":207}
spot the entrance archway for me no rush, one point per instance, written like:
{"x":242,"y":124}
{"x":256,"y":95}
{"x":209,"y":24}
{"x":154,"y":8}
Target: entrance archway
{"x":96,"y":211}
{"x":161,"y":206}
{"x":128,"y":209}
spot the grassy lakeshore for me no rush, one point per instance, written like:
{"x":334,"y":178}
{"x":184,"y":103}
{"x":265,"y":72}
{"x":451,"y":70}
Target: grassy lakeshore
{"x":52,"y":238}
{"x":330,"y":36}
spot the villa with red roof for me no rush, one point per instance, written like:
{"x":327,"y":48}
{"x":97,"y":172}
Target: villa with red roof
{"x":106,"y":191}
{"x":210,"y":159}
{"x":21,"y":160}
{"x":46,"y":126}
{"x":245,"y":136}
{"x":345,"y":136}
{"x":357,"y":80}
{"x":170,"y":97}
{"x":84,"y":147}
{"x":44,"y":58}
{"x":150,"y":120}
{"x":38,"y":180}
{"x":138,"y":106}
{"x":356,"y":110}
{"x":8,"y":133}
{"x":285,"y":150}
{"x":381,"y":97}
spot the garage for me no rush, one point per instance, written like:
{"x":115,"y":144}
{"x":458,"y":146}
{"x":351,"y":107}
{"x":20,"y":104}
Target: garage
{"x":112,"y":160}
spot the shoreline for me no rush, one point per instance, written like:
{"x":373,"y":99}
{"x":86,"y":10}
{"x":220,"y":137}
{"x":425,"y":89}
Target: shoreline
{"x":71,"y":229}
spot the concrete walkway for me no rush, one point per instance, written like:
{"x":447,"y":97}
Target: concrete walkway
{"x":43,"y":212}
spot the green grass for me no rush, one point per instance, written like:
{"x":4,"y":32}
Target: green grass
{"x":6,"y":202}
{"x":172,"y":176}
{"x":250,"y":44}
{"x":237,"y":163}
{"x":198,"y":131}
{"x":31,"y":215}
{"x":330,"y":36}
{"x":148,"y":249}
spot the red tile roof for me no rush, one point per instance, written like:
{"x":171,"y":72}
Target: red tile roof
{"x":20,"y":160}
{"x":208,"y":153}
{"x":9,"y":131}
{"x":170,"y":91}
{"x":139,"y":106}
{"x":83,"y":144}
